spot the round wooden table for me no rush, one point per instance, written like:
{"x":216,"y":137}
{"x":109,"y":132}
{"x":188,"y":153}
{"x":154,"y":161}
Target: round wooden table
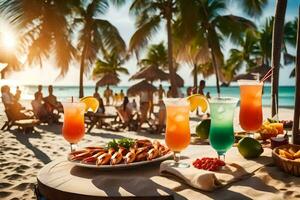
{"x":61,"y":179}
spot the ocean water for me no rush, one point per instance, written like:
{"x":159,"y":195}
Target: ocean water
{"x":286,"y":93}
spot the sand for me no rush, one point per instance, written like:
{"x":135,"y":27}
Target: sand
{"x":23,"y":155}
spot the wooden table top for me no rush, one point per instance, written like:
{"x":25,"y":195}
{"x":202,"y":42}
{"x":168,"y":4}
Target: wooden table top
{"x":61,"y":179}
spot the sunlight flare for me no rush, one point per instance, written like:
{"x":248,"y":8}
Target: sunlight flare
{"x":8,"y":40}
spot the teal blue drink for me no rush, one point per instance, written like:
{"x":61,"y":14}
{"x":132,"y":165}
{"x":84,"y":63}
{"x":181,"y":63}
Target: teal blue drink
{"x":221,"y":134}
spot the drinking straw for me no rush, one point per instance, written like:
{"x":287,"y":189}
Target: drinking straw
{"x":72,"y":99}
{"x":267,"y":75}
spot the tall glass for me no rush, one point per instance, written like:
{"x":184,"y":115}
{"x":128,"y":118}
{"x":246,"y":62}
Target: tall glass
{"x":73,"y":128}
{"x":221,"y":134}
{"x":177,"y":128}
{"x":251,"y":105}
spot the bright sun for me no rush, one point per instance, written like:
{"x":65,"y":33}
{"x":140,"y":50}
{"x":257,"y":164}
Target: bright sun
{"x":8,"y":40}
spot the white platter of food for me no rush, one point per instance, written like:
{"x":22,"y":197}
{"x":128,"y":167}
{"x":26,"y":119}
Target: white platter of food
{"x":123,"y":153}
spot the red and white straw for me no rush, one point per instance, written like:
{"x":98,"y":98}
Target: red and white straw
{"x":267,"y":75}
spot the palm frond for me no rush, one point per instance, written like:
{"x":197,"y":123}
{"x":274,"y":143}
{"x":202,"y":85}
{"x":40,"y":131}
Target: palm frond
{"x":233,"y":26}
{"x":143,"y":34}
{"x":111,"y":37}
{"x":253,"y":8}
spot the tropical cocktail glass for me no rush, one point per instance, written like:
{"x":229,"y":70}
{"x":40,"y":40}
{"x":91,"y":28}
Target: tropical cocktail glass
{"x":177,"y":128}
{"x":73,"y":128}
{"x":250,"y":105}
{"x":221,"y":134}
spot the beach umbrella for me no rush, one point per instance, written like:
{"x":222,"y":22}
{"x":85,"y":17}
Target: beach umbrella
{"x":151,"y":74}
{"x":143,"y":86}
{"x":178,"y":79}
{"x":108,"y":79}
{"x":253,"y":73}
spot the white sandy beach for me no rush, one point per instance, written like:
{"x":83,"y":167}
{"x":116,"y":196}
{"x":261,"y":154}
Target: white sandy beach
{"x":23,"y":155}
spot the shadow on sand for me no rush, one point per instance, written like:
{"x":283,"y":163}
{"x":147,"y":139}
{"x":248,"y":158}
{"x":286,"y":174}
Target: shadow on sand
{"x":24,"y":139}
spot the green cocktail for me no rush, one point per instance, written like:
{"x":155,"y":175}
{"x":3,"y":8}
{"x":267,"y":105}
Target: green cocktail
{"x":221,"y":135}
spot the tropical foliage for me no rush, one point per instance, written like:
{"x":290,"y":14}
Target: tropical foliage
{"x":157,"y":56}
{"x":44,"y":29}
{"x":95,"y":35}
{"x":254,"y":49}
{"x":110,"y":64}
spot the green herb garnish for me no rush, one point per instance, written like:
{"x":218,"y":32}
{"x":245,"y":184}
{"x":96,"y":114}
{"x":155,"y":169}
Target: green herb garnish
{"x":124,"y":142}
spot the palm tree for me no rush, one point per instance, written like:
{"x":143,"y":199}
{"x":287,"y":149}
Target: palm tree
{"x":290,"y":38}
{"x":244,"y":55}
{"x":44,"y":29}
{"x":193,"y":52}
{"x":157,"y":56}
{"x":277,"y":41}
{"x":214,"y":26}
{"x":110,"y":64}
{"x":149,"y":16}
{"x":96,"y":35}
{"x":265,"y":41}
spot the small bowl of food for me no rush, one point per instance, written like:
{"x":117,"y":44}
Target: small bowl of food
{"x":287,"y":158}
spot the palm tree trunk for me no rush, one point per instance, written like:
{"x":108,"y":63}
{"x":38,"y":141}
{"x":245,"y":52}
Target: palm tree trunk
{"x":81,"y":72}
{"x":214,"y":62}
{"x":195,"y":76}
{"x":296,"y":128}
{"x":276,"y":50}
{"x":170,"y":49}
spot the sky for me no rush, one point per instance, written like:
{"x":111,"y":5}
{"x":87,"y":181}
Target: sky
{"x":125,"y":23}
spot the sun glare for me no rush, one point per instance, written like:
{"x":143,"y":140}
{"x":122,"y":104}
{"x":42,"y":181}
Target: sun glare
{"x":8,"y":40}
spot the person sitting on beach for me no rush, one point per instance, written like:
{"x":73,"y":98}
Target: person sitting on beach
{"x":14,"y":108}
{"x":18,"y":94}
{"x":96,"y":95}
{"x":39,"y":108}
{"x":39,"y":92}
{"x":7,"y":97}
{"x":126,"y":110}
{"x":161,"y":92}
{"x":208,"y":95}
{"x":51,"y":101}
{"x":107,"y":94}
{"x":169,"y":93}
{"x":101,"y":108}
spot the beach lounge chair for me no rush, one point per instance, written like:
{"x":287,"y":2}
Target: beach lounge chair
{"x":25,"y":125}
{"x":159,"y":122}
{"x":98,"y":119}
{"x":132,"y":122}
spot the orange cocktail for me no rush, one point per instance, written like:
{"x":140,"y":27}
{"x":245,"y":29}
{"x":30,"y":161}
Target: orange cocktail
{"x":73,"y":127}
{"x":250,"y":105}
{"x":177,"y":127}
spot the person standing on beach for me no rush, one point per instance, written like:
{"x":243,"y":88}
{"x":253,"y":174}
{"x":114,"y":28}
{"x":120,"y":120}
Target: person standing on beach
{"x":107,"y":94}
{"x":161,"y":92}
{"x":18,"y":94}
{"x":169,"y":93}
{"x":201,"y":87}
{"x":39,"y":92}
{"x":121,"y":95}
